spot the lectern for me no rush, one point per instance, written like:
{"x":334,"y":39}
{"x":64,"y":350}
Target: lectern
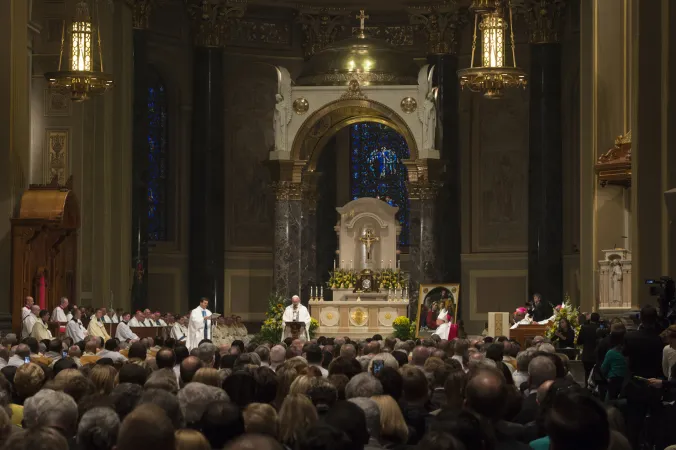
{"x":297,"y":329}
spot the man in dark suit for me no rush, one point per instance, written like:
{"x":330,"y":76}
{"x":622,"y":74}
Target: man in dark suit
{"x":540,"y":370}
{"x":588,"y":339}
{"x":540,"y":310}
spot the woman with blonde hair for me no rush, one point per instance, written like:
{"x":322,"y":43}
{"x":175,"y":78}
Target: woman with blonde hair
{"x":103,"y":378}
{"x":301,"y":385}
{"x":208,"y":376}
{"x":393,"y":428}
{"x":296,"y":415}
{"x":261,"y":418}
{"x":191,"y":440}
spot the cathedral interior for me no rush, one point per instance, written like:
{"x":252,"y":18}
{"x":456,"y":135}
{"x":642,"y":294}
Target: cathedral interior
{"x":168,"y":175}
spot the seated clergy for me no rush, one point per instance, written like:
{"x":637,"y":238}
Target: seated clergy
{"x":97,"y":327}
{"x":179,"y":331}
{"x":123,"y":332}
{"x":137,"y":320}
{"x":40,"y":329}
{"x":445,"y":327}
{"x":29,"y":321}
{"x":75,"y":330}
{"x":59,"y":314}
{"x":296,"y":312}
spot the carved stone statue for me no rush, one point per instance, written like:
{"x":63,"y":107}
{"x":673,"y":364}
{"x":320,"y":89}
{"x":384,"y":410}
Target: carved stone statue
{"x":615,"y":283}
{"x":282,"y":116}
{"x":368,"y":239}
{"x":428,"y":113}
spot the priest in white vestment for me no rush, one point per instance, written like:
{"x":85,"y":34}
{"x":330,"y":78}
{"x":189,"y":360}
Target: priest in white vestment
{"x":178,"y":330}
{"x":26,"y":310}
{"x":296,"y":312}
{"x":75,"y":330}
{"x":137,"y":320}
{"x":29,"y":321}
{"x":443,"y":324}
{"x":199,"y":326}
{"x":123,"y":332}
{"x":59,"y":314}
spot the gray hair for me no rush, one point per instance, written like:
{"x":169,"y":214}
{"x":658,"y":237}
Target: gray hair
{"x":50,"y":408}
{"x":546,"y":347}
{"x":541,"y":369}
{"x":363,"y":385}
{"x":98,"y":429}
{"x":364,"y":362}
{"x":195,"y":397}
{"x":164,"y":379}
{"x":387,"y":359}
{"x":277,"y":354}
{"x":372,"y":413}
{"x":348,"y":351}
{"x":207,"y":352}
{"x":263,"y":353}
{"x":522,"y":361}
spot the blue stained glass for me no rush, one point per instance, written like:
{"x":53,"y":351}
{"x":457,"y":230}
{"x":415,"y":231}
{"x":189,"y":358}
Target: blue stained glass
{"x":157,"y":161}
{"x":377,"y":154}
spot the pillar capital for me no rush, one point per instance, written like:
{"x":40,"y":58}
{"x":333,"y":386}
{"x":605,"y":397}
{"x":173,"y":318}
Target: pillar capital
{"x":442,"y":24}
{"x":544,"y":19}
{"x":320,"y":27}
{"x":212,"y":19}
{"x":287,"y":190}
{"x":424,"y":190}
{"x":141,"y":11}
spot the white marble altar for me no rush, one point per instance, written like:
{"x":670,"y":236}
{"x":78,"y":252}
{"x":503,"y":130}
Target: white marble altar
{"x":367,"y":235}
{"x":615,"y":280}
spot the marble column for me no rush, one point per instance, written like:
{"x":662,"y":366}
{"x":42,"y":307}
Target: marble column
{"x":139,"y":196}
{"x":545,"y":174}
{"x":289,"y":221}
{"x":443,"y":27}
{"x":422,"y":249}
{"x":308,"y":273}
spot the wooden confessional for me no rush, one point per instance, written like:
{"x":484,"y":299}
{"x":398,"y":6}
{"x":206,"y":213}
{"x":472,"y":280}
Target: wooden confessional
{"x":44,"y":248}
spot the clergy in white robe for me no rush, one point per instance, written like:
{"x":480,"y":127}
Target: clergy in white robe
{"x":296,"y":312}
{"x":199,"y":325}
{"x":29,"y":321}
{"x":75,"y":330}
{"x":178,"y":331}
{"x":59,"y":314}
{"x":97,"y":327}
{"x":123,"y":332}
{"x":26,"y":310}
{"x":443,"y":324}
{"x":137,"y":320}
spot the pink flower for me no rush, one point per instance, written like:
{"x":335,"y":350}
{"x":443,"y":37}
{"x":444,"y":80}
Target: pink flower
{"x":558,"y":307}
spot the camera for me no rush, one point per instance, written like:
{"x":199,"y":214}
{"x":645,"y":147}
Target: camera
{"x":665,"y":289}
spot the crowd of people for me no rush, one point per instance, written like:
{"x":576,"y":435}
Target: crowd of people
{"x":485,"y":393}
{"x":80,"y":322}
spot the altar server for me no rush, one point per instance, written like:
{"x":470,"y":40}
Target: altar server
{"x":296,"y":312}
{"x":199,"y":326}
{"x":123,"y":332}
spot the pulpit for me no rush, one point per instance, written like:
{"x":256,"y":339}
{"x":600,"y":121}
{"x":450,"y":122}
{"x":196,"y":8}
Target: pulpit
{"x":296,"y":328}
{"x":44,"y":248}
{"x":522,"y":333}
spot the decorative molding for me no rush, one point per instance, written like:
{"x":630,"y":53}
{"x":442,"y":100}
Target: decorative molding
{"x":424,"y":190}
{"x":386,"y":316}
{"x":329,"y":316}
{"x":399,"y":35}
{"x":408,"y":105}
{"x":56,"y":104}
{"x":442,"y":26}
{"x":544,"y":19}
{"x":474,"y":275}
{"x":141,"y":11}
{"x":353,"y":91}
{"x":320,"y":28}
{"x":212,"y":20}
{"x":287,"y":190}
{"x":57,"y":145}
{"x":254,"y":31}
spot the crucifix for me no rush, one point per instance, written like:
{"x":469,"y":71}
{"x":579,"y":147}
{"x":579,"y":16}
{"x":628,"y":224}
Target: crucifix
{"x":362,"y":17}
{"x":368,"y":239}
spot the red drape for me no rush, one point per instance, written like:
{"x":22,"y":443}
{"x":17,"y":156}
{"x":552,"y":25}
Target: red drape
{"x":42,"y":292}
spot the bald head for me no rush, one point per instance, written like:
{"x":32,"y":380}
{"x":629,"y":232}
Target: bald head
{"x":295,"y":300}
{"x":254,"y":442}
{"x":541,"y":369}
{"x":486,"y":393}
{"x":35,"y":309}
{"x":420,"y":355}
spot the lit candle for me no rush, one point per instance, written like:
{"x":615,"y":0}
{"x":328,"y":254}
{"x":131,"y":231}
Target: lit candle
{"x":321,"y":292}
{"x":334,"y":264}
{"x":351,"y":265}
{"x":342,"y":263}
{"x":389,"y":266}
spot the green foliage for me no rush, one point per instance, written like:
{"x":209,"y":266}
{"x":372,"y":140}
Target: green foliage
{"x":404,"y":328}
{"x":564,"y":311}
{"x":272,"y":326}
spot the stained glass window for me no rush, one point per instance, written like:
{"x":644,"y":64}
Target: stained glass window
{"x":157,"y":160}
{"x":377,"y":157}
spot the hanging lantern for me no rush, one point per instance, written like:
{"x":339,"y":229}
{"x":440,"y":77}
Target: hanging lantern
{"x":494,"y":75}
{"x":81,"y":46}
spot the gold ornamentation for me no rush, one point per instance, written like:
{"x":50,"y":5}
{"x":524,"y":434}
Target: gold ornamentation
{"x":57,"y":156}
{"x":388,"y":316}
{"x":353,"y":91}
{"x":423,"y":190}
{"x":614,"y":166}
{"x":498,"y":324}
{"x":321,"y":27}
{"x":359,"y":317}
{"x":623,"y":138}
{"x":544,"y":18}
{"x":287,"y":190}
{"x":212,"y":20}
{"x":409,"y":105}
{"x":141,"y":11}
{"x":253,"y":31}
{"x":301,"y":106}
{"x":329,"y":316}
{"x":398,"y":35}
{"x":442,"y":26}
{"x":57,"y":104}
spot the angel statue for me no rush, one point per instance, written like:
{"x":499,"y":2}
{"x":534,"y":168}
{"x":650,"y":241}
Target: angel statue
{"x":282,"y":116}
{"x":427,"y":96}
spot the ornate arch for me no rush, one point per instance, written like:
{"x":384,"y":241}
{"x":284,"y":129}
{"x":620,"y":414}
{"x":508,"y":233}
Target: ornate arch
{"x":323,"y":124}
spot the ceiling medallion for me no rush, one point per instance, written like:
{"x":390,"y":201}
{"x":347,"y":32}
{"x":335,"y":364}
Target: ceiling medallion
{"x":301,"y":106}
{"x":494,"y":74}
{"x":409,"y":105}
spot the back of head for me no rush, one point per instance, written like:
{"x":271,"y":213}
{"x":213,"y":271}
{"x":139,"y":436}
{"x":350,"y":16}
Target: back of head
{"x":52,"y":409}
{"x":187,"y":439}
{"x":221,"y":423}
{"x":541,"y":369}
{"x":325,"y":437}
{"x":420,"y":355}
{"x":98,"y":429}
{"x":350,"y":419}
{"x":414,"y":384}
{"x":440,"y":440}
{"x":165,"y":359}
{"x":313,"y":354}
{"x":372,"y":414}
{"x":133,"y":373}
{"x":240,"y":387}
{"x":138,"y":350}
{"x":464,"y":426}
{"x":648,"y":316}
{"x":363,"y":385}
{"x":486,"y":393}
{"x":167,"y":402}
{"x":194,"y":398}
{"x":125,"y":397}
{"x":147,"y":423}
{"x":261,"y":418}
{"x":573,"y":415}
{"x":253,"y":442}
{"x":39,"y":438}
{"x":189,"y":368}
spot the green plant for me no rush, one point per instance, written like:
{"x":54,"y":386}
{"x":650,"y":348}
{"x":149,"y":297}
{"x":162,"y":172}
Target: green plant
{"x":314,"y":324}
{"x":271,"y":330}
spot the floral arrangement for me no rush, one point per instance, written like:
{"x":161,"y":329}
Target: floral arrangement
{"x":564,"y":311}
{"x":404,"y":329}
{"x":342,"y":279}
{"x":389,"y":279}
{"x":271,"y":330}
{"x":314,"y":324}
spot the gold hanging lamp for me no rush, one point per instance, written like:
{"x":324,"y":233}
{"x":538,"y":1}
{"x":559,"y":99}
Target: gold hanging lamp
{"x":494,"y":75}
{"x":80,"y":79}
